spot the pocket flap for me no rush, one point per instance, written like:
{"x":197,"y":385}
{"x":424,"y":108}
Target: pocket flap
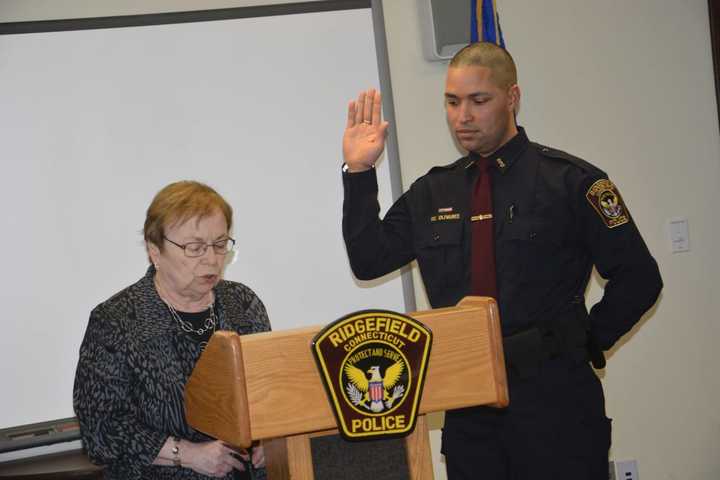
{"x":438,"y":234}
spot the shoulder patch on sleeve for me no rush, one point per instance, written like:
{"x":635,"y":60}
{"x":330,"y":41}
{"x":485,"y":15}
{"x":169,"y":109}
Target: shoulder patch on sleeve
{"x":607,"y":202}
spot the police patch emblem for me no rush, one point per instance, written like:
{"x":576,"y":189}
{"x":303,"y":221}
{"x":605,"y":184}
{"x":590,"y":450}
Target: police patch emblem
{"x":373,"y":366}
{"x":607,"y":202}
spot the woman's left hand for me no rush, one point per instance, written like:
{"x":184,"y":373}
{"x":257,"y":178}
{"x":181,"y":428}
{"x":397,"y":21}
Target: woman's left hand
{"x":258,"y":456}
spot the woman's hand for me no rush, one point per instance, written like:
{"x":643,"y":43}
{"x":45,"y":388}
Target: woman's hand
{"x":213,"y":458}
{"x":258,"y":456}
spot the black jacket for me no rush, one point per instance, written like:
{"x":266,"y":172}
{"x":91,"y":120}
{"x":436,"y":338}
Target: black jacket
{"x":130,"y":380}
{"x":548,"y":235}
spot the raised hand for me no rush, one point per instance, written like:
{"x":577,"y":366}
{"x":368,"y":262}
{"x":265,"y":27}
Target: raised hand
{"x":364,"y":138}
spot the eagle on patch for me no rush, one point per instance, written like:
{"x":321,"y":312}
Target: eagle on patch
{"x":605,"y":198}
{"x":372,"y":394}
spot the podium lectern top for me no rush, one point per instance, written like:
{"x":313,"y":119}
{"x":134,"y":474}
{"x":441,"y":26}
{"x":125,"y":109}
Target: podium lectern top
{"x":266,"y":385}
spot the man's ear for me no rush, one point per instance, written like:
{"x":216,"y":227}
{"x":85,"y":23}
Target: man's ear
{"x":514,"y":98}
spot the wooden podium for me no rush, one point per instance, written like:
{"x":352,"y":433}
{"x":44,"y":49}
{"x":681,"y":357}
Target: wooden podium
{"x":267,"y":387}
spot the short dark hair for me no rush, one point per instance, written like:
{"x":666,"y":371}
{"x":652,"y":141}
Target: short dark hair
{"x":486,"y":54}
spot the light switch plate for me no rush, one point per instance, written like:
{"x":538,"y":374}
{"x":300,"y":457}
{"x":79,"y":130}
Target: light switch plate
{"x":625,"y":470}
{"x":679,"y":234}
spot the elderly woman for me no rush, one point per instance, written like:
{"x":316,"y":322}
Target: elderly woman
{"x":142,"y":344}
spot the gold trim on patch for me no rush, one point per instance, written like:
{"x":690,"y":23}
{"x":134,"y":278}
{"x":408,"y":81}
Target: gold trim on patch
{"x":485,"y":216}
{"x":606,"y":200}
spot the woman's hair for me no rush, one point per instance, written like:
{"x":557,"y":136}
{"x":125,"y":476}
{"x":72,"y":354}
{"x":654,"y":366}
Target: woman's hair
{"x":178,"y":203}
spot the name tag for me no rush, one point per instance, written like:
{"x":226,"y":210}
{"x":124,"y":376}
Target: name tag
{"x":445,"y":217}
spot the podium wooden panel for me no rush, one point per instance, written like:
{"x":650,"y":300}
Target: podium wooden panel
{"x":266,"y":386}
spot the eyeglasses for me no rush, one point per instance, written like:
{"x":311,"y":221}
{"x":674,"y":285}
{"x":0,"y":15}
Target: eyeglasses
{"x":198,"y":249}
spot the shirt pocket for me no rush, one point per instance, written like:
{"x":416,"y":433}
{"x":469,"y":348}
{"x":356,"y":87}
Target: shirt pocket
{"x":440,"y":253}
{"x":446,"y":233}
{"x":529,"y":250}
{"x":547,"y":235}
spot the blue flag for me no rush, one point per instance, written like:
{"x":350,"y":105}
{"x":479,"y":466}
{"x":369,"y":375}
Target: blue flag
{"x":485,"y":23}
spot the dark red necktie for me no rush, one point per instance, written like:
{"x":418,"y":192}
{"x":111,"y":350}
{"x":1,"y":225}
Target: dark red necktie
{"x":483,"y":239}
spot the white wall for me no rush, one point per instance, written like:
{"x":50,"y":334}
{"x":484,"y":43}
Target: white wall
{"x":104,"y":120}
{"x":629,"y":87}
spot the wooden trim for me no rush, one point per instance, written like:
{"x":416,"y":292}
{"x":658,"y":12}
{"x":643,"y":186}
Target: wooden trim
{"x":417,"y":451}
{"x":291,"y":457}
{"x":276,"y":458}
{"x":300,"y":457}
{"x":219,"y":380}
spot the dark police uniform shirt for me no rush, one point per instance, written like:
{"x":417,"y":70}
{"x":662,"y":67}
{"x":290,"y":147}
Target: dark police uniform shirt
{"x":555,"y":216}
{"x":131,"y":375}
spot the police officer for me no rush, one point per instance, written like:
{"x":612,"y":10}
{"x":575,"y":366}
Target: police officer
{"x":522,"y":223}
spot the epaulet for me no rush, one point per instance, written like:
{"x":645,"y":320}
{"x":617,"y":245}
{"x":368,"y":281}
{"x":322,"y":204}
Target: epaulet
{"x":554,"y":153}
{"x":459,"y":163}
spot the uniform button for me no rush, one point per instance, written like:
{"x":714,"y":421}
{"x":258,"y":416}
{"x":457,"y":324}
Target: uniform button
{"x":533,"y":235}
{"x":436,"y":237}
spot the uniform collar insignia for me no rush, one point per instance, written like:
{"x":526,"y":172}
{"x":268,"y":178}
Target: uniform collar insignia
{"x":508,"y":154}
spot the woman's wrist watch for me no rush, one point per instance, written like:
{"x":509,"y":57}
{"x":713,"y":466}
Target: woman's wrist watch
{"x":176,"y":452}
{"x":346,"y":168}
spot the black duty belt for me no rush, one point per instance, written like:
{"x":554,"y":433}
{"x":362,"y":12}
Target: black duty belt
{"x":527,"y":349}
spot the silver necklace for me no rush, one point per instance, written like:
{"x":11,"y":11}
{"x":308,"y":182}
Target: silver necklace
{"x":187,"y":327}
